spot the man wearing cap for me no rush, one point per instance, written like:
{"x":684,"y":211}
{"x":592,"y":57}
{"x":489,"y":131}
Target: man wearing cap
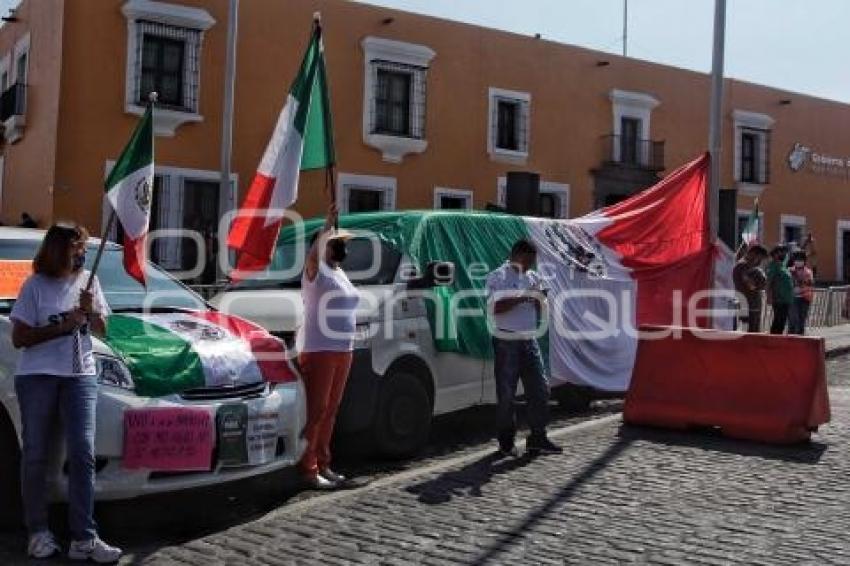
{"x":325,"y":344}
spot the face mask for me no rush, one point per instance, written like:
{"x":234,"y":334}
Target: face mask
{"x":799,"y":264}
{"x":339,"y":251}
{"x":79,"y":261}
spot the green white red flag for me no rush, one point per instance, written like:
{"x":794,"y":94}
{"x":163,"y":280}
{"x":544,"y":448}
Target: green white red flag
{"x":302,"y":140}
{"x":129,"y":189}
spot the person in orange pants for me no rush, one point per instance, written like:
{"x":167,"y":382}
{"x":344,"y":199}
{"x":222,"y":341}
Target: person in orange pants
{"x":325,"y":342}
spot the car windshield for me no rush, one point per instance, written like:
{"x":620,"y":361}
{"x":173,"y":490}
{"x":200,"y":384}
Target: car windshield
{"x":122,"y":291}
{"x":370,"y":261}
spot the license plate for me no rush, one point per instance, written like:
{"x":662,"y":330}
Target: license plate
{"x":247,"y":436}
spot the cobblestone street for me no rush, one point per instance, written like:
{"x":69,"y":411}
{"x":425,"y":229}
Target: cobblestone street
{"x":616,"y":495}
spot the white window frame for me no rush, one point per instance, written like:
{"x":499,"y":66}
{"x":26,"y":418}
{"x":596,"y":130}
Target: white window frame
{"x":440,"y":192}
{"x":791,"y":220}
{"x":166,"y":121}
{"x":561,"y":190}
{"x":524,"y":101}
{"x":173,"y":179}
{"x":745,"y":213}
{"x":841,"y":227}
{"x":637,"y":105}
{"x":758,"y":124}
{"x":392,"y":148}
{"x":384,"y":185}
{"x":6,"y":67}
{"x":21,"y":46}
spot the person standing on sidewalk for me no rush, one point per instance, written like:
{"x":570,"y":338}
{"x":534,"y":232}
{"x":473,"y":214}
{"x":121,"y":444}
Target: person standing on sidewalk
{"x":780,"y":288}
{"x":750,"y":281}
{"x":52,"y":322}
{"x":515,"y":295}
{"x":804,"y":291}
{"x":325,"y":342}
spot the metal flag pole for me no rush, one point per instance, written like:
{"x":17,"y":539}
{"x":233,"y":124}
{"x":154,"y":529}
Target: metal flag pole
{"x":330,"y":170}
{"x":715,"y":118}
{"x":227,"y":117}
{"x":112,"y":215}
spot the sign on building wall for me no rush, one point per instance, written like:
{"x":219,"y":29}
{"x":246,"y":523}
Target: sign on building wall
{"x":804,"y":158}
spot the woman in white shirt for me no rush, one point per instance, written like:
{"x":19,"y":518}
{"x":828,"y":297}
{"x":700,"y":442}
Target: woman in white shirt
{"x":325,"y":344}
{"x":53,"y":319}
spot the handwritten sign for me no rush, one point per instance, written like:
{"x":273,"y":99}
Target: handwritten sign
{"x":13,"y":273}
{"x":176,"y":439}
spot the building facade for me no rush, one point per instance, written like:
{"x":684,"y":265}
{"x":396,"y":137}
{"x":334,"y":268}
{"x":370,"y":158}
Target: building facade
{"x":427,"y":113}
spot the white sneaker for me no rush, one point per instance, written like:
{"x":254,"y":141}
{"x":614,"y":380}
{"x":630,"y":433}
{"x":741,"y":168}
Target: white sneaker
{"x":42,"y":545}
{"x":95,"y":550}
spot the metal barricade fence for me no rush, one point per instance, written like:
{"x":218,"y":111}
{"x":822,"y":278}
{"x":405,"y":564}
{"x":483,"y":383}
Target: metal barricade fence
{"x":830,"y":307}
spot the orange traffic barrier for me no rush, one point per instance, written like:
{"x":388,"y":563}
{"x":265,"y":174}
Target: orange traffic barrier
{"x":751,"y":386}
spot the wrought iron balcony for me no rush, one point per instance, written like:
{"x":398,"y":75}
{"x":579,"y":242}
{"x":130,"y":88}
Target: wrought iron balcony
{"x":627,"y":151}
{"x":13,"y":101}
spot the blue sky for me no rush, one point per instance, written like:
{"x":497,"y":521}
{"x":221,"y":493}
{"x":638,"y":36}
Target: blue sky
{"x":791,"y":44}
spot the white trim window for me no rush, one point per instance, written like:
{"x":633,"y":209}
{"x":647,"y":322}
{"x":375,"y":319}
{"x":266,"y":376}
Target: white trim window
{"x":452,"y":199}
{"x":632,"y":113}
{"x":792,"y":229}
{"x":164,"y":55}
{"x":743,"y":217}
{"x":752,"y":151}
{"x":842,"y":251}
{"x":395,"y":97}
{"x":14,"y":103}
{"x":554,"y":197}
{"x":5,"y":73}
{"x":509,"y":125}
{"x":365,"y":193}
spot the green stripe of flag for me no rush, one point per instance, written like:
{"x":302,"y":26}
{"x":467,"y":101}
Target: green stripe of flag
{"x":137,"y":154}
{"x":161,"y":362}
{"x":313,"y":116}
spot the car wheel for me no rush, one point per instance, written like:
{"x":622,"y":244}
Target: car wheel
{"x":573,"y":399}
{"x":403,"y":419}
{"x":11,"y":512}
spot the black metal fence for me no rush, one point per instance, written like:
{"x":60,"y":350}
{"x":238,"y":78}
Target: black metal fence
{"x":13,"y":101}
{"x":634,"y":152}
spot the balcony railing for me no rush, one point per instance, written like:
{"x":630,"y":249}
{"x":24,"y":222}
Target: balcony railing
{"x":632,"y":152}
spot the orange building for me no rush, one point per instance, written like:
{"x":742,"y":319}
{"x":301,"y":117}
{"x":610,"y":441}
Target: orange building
{"x":428,"y":113}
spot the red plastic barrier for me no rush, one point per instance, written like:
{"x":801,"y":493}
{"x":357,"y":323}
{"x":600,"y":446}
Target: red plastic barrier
{"x":752,"y":386}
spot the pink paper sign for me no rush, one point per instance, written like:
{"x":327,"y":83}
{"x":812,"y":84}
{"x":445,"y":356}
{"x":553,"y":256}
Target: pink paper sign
{"x":176,"y":439}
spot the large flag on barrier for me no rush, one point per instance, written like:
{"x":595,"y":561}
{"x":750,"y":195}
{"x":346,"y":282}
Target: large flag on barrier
{"x":302,"y":140}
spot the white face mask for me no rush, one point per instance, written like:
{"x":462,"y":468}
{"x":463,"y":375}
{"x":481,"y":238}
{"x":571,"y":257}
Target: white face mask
{"x":799,"y":264}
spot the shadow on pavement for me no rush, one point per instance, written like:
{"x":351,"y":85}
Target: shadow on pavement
{"x":562,"y":495}
{"x":707,"y":438}
{"x":466,"y":481}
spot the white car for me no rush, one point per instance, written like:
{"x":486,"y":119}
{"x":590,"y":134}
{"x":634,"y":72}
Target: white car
{"x":280,"y":404}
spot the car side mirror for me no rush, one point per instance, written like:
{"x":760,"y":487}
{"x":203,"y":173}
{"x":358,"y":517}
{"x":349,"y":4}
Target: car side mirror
{"x":437,"y":274}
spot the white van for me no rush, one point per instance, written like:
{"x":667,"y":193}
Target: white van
{"x":402,"y":375}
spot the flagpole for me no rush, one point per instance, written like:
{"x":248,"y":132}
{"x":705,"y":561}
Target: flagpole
{"x":227,"y":118}
{"x":330,"y":170}
{"x":716,"y":117}
{"x":151,"y":101}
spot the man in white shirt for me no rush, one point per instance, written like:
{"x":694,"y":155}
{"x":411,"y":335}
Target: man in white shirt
{"x":515,"y":296}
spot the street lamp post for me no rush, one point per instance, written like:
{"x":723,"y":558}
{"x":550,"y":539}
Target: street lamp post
{"x":715,"y":117}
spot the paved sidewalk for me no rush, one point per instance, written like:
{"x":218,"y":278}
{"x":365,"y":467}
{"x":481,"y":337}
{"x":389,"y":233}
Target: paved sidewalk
{"x":617,"y":495}
{"x":837,"y":338}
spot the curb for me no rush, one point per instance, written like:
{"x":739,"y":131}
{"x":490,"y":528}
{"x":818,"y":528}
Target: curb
{"x":407,"y":475}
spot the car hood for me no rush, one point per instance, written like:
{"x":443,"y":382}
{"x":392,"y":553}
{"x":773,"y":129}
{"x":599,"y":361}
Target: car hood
{"x":174,"y":351}
{"x":282,"y":310}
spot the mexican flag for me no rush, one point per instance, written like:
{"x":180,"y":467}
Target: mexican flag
{"x":302,"y":140}
{"x":176,"y":351}
{"x":750,"y":233}
{"x":129,"y":188}
{"x":607,"y":273}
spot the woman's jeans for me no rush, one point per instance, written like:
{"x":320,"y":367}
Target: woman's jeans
{"x":798,"y":315}
{"x":41,"y":398}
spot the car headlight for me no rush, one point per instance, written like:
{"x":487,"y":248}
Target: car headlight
{"x":112,"y":371}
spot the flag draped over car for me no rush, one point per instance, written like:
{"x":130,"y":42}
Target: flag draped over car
{"x":607,"y":272}
{"x":129,"y":189}
{"x":302,"y":140}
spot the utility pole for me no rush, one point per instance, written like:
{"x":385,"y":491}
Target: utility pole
{"x":715,"y":124}
{"x":625,"y":27}
{"x":227,"y":114}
